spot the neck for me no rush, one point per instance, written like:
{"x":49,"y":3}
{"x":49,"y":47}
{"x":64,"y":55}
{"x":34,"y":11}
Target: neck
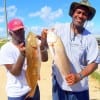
{"x":14,"y":42}
{"x":77,"y":29}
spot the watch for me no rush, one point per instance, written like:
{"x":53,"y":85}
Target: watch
{"x":81,"y":76}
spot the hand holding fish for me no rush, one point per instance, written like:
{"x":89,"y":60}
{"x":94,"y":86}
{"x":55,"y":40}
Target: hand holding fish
{"x":72,"y":78}
{"x":21,"y":48}
{"x":44,"y":38}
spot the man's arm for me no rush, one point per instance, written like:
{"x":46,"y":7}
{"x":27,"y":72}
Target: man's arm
{"x":74,"y":78}
{"x":16,"y":68}
{"x":43,"y":49}
{"x":89,"y":69}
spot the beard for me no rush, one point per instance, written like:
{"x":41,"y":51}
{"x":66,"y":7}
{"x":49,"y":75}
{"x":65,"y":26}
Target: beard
{"x":18,"y":40}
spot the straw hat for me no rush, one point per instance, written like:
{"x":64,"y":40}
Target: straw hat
{"x":83,"y":3}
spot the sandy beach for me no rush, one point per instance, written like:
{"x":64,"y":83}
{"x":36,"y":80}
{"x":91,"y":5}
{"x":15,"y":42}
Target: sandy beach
{"x":45,"y":84}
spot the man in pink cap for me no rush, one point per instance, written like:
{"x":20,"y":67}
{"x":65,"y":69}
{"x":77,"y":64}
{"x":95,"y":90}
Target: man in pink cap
{"x":12,"y":56}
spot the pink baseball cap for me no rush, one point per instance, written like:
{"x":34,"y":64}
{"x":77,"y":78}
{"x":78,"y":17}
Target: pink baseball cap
{"x":15,"y":24}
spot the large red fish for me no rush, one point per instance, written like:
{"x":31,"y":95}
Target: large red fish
{"x":33,"y":62}
{"x":58,"y":53}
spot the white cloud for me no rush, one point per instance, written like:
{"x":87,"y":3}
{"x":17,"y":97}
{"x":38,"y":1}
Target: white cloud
{"x":90,"y":26}
{"x":2,"y":31}
{"x":1,"y":19}
{"x":36,"y":29}
{"x":47,"y":14}
{"x":1,"y":10}
{"x":11,"y":11}
{"x":1,"y":15}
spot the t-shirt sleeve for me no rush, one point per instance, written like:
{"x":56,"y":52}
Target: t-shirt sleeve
{"x":6,"y":56}
{"x":98,"y":58}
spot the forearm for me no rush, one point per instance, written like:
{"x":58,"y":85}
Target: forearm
{"x":44,"y":54}
{"x":89,"y":69}
{"x":74,"y":78}
{"x":16,"y":68}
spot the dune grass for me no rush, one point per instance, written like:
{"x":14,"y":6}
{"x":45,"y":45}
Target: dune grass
{"x":96,"y":76}
{"x":1,"y":44}
{"x":3,"y":41}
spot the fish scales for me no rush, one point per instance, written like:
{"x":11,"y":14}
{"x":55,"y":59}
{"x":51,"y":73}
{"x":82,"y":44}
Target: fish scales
{"x":33,"y":58}
{"x":58,"y":53}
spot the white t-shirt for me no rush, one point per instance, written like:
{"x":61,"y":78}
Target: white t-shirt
{"x":81,"y":50}
{"x":16,"y":85}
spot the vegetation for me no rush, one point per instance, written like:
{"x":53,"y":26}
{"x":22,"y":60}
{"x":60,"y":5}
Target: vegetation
{"x":96,"y":76}
{"x":3,"y":41}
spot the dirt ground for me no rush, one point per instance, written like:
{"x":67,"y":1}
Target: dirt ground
{"x":94,"y":89}
{"x":45,"y":84}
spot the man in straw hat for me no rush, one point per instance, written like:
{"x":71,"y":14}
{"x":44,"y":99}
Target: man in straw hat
{"x":82,"y":50}
{"x":12,"y":56}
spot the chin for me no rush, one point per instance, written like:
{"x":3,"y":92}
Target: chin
{"x":79,"y":24}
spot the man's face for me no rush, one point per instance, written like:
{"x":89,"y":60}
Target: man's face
{"x":19,"y":35}
{"x":80,"y":15}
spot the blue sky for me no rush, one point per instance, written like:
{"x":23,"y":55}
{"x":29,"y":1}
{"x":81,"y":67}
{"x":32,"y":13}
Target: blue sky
{"x":38,"y":14}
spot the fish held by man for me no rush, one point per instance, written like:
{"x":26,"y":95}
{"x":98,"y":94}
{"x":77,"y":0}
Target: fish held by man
{"x":33,"y":58}
{"x":58,"y":53}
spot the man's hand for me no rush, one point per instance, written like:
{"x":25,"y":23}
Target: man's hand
{"x":43,"y":45}
{"x":72,"y":78}
{"x":44,"y":33}
{"x":44,"y":38}
{"x":21,"y":47}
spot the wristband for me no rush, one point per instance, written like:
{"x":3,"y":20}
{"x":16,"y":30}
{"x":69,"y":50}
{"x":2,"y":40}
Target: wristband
{"x":81,"y":76}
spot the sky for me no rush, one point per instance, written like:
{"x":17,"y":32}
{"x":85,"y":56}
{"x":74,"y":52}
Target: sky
{"x":39,"y":14}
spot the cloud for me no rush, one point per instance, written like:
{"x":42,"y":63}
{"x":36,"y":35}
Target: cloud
{"x":91,"y":27}
{"x":2,"y":31}
{"x":36,"y":29}
{"x":1,"y":15}
{"x":1,"y":10}
{"x":11,"y":11}
{"x":1,"y":19}
{"x":47,"y":14}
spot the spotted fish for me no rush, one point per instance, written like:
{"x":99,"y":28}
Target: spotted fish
{"x":33,"y":58}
